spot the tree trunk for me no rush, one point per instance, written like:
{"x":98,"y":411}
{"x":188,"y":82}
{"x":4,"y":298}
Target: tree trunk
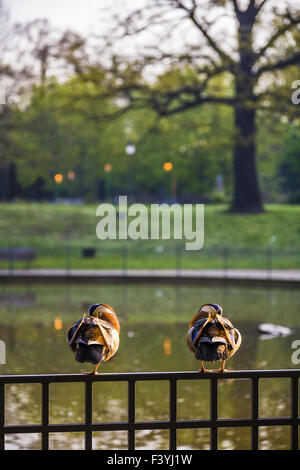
{"x":246,"y":197}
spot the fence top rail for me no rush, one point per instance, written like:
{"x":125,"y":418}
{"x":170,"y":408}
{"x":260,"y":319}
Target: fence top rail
{"x":136,"y":376}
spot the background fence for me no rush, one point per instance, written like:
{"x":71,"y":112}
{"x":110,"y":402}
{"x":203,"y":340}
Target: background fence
{"x":129,"y":256}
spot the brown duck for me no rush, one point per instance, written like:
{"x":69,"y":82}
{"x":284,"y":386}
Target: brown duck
{"x":95,"y":338}
{"x":212,"y":337}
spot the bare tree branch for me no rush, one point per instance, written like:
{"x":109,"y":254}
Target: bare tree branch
{"x":184,"y":105}
{"x":252,"y":7}
{"x":236,"y":8}
{"x":261,"y":5}
{"x":203,"y":27}
{"x":284,"y":28}
{"x":294,"y":59}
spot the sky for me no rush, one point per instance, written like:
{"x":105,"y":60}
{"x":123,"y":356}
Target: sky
{"x":80,"y":15}
{"x":92,"y":16}
{"x":83,"y":16}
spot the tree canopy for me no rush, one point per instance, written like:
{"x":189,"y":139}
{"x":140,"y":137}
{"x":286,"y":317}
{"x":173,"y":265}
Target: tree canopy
{"x":215,"y":101}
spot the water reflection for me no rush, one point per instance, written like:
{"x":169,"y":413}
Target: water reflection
{"x":153,"y":328}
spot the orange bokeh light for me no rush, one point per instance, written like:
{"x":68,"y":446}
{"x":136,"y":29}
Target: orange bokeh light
{"x":107,"y":167}
{"x":58,"y":323}
{"x":167,"y":345}
{"x":168,"y":166}
{"x":58,"y":178}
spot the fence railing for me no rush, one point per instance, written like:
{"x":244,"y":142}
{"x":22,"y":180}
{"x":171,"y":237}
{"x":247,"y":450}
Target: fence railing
{"x":129,"y":256}
{"x":214,"y":423}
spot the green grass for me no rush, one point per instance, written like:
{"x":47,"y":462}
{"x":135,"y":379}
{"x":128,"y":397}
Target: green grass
{"x":50,"y":228}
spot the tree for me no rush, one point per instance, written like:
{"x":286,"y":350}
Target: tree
{"x":7,"y":169}
{"x":54,"y":133}
{"x":248,"y":58}
{"x":290,"y":167}
{"x":51,"y":136}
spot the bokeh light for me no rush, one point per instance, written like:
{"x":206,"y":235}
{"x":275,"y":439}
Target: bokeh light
{"x":58,"y":178}
{"x":168,"y":166}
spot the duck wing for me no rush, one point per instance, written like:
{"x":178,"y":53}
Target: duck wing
{"x":89,"y":330}
{"x":195,"y":331}
{"x":237,"y":341}
{"x":97,"y":331}
{"x":73,"y":332}
{"x":111,"y":337}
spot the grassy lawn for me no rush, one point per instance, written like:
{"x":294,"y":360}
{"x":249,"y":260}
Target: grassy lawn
{"x":51,"y":228}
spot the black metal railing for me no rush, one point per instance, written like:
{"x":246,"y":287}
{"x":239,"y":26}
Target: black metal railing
{"x":128,"y":256}
{"x":172,"y":424}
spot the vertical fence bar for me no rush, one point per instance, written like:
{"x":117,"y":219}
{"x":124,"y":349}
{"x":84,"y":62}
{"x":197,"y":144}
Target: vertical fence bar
{"x":124,"y":300}
{"x":213,"y":414}
{"x":178,"y":260}
{"x":2,"y":416}
{"x":68,"y":260}
{"x":131,"y":414}
{"x":173,"y":414}
{"x":88,"y":413}
{"x":225,"y":260}
{"x":12,"y":261}
{"x":269,"y":261}
{"x":124,"y":259}
{"x":254,"y":413}
{"x":45,"y":415}
{"x":294,"y":413}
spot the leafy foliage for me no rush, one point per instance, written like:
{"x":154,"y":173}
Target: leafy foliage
{"x":73,"y":108}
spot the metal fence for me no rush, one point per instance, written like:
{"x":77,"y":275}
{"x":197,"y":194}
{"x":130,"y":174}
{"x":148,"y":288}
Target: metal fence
{"x":172,"y":424}
{"x":130,"y":256}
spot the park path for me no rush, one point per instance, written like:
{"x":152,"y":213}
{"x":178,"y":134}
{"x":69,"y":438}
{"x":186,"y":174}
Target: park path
{"x":232,"y":276}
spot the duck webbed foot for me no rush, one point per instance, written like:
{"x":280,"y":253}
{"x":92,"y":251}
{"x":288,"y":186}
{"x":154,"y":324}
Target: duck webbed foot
{"x":202,"y":370}
{"x":222,"y":369}
{"x":93,"y":372}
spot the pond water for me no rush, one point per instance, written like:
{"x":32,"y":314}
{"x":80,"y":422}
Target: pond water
{"x":154,"y":318}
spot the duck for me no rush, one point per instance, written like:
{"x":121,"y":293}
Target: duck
{"x":270,"y":331}
{"x":95,"y":337}
{"x":212,"y":337}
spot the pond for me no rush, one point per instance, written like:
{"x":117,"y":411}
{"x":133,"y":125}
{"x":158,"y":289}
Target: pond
{"x":154,"y":318}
